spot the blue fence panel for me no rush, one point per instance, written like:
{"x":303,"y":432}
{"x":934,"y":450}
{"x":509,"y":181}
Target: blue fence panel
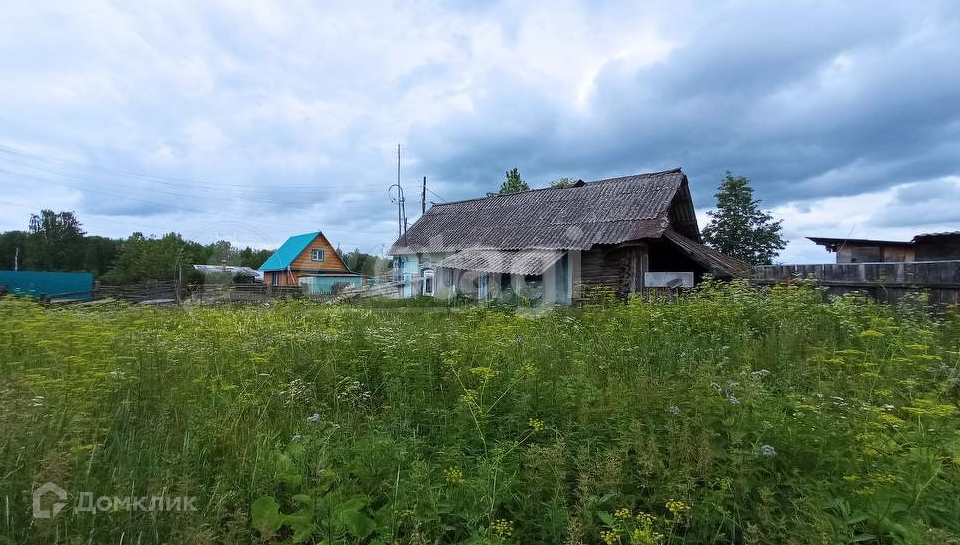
{"x":58,"y":285}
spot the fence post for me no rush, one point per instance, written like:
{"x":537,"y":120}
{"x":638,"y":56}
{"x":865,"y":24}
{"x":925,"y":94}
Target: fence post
{"x":179,"y":283}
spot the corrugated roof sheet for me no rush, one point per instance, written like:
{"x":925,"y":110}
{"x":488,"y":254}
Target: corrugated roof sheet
{"x":497,"y":261}
{"x":602,"y":212}
{"x":285,"y":254}
{"x":827,"y":241}
{"x":720,"y":264}
{"x":245,"y":271}
{"x":933,"y":235}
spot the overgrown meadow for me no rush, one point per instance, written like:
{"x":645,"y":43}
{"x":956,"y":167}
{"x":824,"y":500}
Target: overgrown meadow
{"x":731,"y":415}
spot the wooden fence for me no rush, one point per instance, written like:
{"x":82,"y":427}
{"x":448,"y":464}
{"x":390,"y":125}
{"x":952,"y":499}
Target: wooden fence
{"x":887,"y":282}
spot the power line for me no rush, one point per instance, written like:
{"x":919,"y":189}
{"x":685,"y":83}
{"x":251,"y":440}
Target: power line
{"x":166,"y":180}
{"x":69,"y":180}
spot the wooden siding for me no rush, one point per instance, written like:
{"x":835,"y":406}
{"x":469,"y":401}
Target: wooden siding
{"x":302,"y":265}
{"x":887,"y":282}
{"x":331,"y":262}
{"x":938,"y":248}
{"x":284,"y":278}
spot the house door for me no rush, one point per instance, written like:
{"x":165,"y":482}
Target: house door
{"x":638,"y":268}
{"x":482,"y":287}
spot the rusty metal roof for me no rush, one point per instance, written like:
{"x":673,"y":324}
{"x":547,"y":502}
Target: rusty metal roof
{"x":498,"y":261}
{"x":602,"y":212}
{"x":719,"y":264}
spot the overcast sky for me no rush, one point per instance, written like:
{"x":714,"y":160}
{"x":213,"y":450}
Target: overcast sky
{"x":252,"y":121}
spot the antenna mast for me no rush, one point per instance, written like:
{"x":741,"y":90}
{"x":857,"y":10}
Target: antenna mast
{"x":401,"y":208}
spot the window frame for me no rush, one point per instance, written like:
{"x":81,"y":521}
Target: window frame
{"x":314,"y":252}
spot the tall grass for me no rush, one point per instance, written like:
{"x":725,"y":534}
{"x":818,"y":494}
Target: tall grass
{"x":731,"y":415}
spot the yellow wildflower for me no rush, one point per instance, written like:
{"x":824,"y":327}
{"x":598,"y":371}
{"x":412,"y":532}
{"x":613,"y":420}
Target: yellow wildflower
{"x":502,"y":527}
{"x":453,"y":475}
{"x":677,"y":507}
{"x":622,"y":513}
{"x":646,"y":519}
{"x":884,"y":478}
{"x":537,"y":424}
{"x":610,"y":536}
{"x":925,"y":407}
{"x":484,"y":373}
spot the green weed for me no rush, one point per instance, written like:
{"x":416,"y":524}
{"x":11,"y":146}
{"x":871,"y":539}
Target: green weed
{"x":729,"y":415}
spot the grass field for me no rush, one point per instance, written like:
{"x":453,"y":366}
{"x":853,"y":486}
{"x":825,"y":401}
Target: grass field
{"x":731,"y":416}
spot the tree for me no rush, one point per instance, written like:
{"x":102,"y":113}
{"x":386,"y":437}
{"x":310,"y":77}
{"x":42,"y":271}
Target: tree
{"x":54,"y":241}
{"x":142,"y":259}
{"x":363,"y":263}
{"x":513,"y":184}
{"x":12,"y":249}
{"x":739,"y":228}
{"x":562,"y":183}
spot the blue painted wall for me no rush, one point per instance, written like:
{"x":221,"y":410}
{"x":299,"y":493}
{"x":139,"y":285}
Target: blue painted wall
{"x":69,"y":285}
{"x":324,"y":284}
{"x":409,"y":269}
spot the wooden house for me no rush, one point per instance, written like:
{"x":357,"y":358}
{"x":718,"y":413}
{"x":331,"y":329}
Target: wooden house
{"x":627,"y":234}
{"x":309,"y":261}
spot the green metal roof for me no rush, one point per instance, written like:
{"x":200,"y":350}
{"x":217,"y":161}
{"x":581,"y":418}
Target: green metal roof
{"x":285,"y":254}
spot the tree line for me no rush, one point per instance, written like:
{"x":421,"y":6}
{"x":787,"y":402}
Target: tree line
{"x":56,"y":241}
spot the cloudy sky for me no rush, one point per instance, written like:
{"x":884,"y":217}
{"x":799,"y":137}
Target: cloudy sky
{"x":251,"y":121}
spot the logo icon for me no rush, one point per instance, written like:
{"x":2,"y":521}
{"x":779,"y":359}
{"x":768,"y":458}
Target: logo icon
{"x":40,"y":513}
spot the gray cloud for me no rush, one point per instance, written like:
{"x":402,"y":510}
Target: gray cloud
{"x":285,"y":119}
{"x":808,"y":102}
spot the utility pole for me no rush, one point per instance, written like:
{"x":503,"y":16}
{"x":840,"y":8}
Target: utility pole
{"x":403,"y":205}
{"x":401,"y":217}
{"x":423,"y":197}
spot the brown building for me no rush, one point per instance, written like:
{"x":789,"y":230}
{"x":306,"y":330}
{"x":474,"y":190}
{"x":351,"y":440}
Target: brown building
{"x":937,"y":246}
{"x":923,"y":247}
{"x":308,"y":260}
{"x":627,"y":234}
{"x":852,"y":250}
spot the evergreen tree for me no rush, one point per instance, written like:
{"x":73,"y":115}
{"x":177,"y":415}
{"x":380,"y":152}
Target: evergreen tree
{"x":513,"y":184}
{"x":739,"y":228}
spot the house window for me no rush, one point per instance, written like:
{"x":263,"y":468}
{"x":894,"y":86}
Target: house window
{"x":275,"y":279}
{"x":316,"y":254}
{"x":428,"y":282}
